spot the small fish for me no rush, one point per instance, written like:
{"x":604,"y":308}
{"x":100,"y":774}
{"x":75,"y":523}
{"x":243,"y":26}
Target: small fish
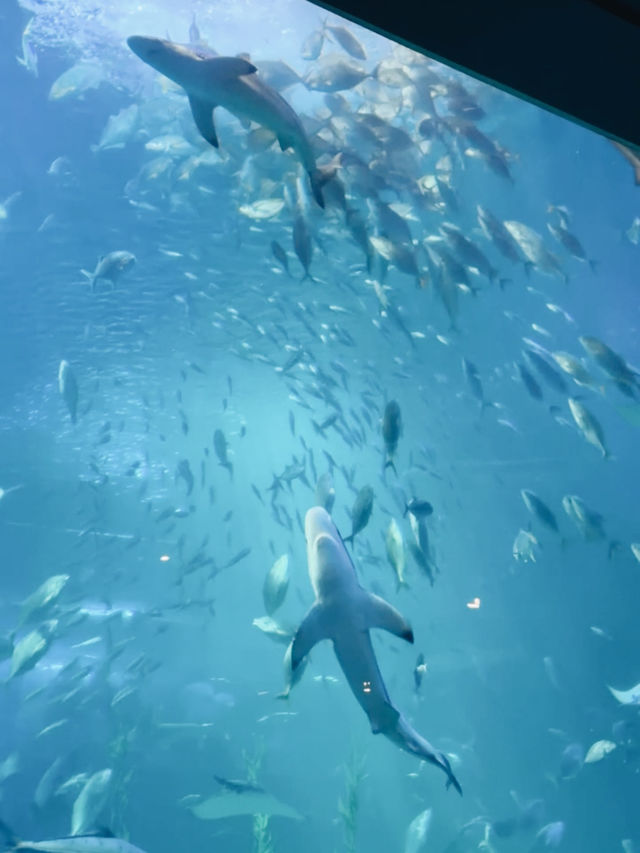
{"x":361,"y":512}
{"x":238,"y":786}
{"x":391,"y":430}
{"x":221,"y":448}
{"x":418,"y":508}
{"x":90,"y":802}
{"x":394,"y":544}
{"x":588,"y":425}
{"x":276,"y":585}
{"x":110,"y":267}
{"x":419,"y":671}
{"x":68,"y":387}
{"x":539,"y":509}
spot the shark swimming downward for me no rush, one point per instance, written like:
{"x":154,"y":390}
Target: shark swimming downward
{"x":344,"y":612}
{"x":230,"y":82}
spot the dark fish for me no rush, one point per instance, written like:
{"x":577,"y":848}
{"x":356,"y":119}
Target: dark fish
{"x":239,"y":556}
{"x":418,"y":672}
{"x":184,"y":470}
{"x":539,"y":509}
{"x":529,"y":382}
{"x":551,"y":376}
{"x":302,"y":245}
{"x":418,"y":508}
{"x":238,"y":786}
{"x":391,"y":429}
{"x":220,"y":446}
{"x":473,"y":381}
{"x":280,"y":255}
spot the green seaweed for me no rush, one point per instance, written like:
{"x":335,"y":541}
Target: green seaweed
{"x":348,"y":807}
{"x":263,"y":843}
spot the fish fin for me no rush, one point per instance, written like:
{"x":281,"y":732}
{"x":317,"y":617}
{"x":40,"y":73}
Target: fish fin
{"x":389,"y":464}
{"x":386,"y":721}
{"x":202,"y":112}
{"x":310,"y":632}
{"x":378,"y":613}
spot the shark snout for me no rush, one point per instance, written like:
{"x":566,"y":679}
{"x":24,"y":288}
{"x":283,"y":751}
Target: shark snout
{"x":145,"y":47}
{"x":317,"y":521}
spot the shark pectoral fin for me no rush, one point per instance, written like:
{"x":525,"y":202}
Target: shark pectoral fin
{"x":378,"y":613}
{"x":386,"y":719}
{"x":310,"y":632}
{"x":202,"y":112}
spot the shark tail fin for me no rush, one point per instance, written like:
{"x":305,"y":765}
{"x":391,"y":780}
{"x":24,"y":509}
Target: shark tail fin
{"x":91,"y":277}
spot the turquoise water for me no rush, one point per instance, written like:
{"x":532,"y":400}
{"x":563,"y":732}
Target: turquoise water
{"x":154,"y":668}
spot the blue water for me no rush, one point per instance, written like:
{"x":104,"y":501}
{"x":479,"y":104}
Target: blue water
{"x":193,"y":338}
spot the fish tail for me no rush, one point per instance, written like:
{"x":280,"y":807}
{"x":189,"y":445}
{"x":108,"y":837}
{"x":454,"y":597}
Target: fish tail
{"x":390,"y":464}
{"x":315,"y":180}
{"x":91,"y":277}
{"x":451,"y":779}
{"x":348,"y":538}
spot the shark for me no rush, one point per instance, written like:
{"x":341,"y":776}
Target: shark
{"x":231,"y":82}
{"x":344,"y":612}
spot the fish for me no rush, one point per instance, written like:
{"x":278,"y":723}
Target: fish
{"x":90,"y":802}
{"x":417,"y":831}
{"x":28,"y":650}
{"x":110,"y":267}
{"x":361,"y":512}
{"x":625,"y":377}
{"x":276,"y":584}
{"x":419,"y":671}
{"x":332,"y":73}
{"x":599,"y":750}
{"x":102,"y":841}
{"x":68,"y":388}
{"x":221,"y":448}
{"x":84,"y":75}
{"x":391,"y":431}
{"x":626,"y":697}
{"x":269,"y":626}
{"x":232,"y":83}
{"x":394,"y":545}
{"x":302,"y":245}
{"x":230,"y":804}
{"x":280,"y":255}
{"x":345,"y":612}
{"x":184,"y":471}
{"x":346,"y":40}
{"x":524,"y":546}
{"x":589,"y":426}
{"x":529,"y":382}
{"x":474,"y":382}
{"x":238,"y":786}
{"x":418,"y":508}
{"x":588,"y":522}
{"x":46,"y":594}
{"x":538,"y":509}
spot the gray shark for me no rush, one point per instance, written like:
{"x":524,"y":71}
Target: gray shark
{"x":344,"y":612}
{"x":232,"y":83}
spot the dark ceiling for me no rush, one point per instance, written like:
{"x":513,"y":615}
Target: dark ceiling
{"x":579,"y":58}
